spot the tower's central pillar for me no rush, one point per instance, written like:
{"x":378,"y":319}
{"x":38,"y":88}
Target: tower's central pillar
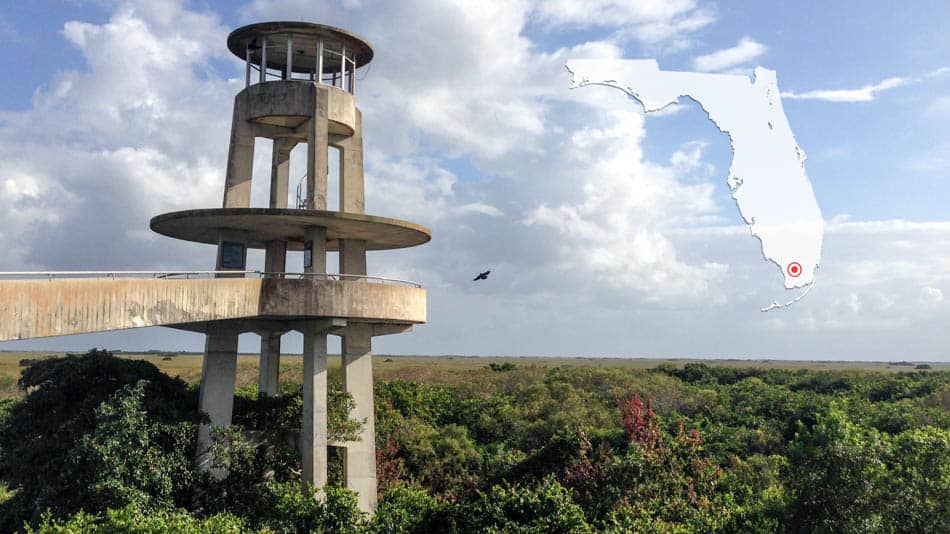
{"x":313,"y":440}
{"x":275,"y":263}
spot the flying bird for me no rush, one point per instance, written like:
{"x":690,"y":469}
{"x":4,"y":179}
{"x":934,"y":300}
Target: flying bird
{"x":482,"y":276}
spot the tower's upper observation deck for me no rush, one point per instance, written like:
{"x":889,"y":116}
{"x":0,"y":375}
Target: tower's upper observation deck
{"x":300,"y":50}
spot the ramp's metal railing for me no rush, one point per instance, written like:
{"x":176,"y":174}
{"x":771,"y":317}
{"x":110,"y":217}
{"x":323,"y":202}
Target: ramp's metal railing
{"x":333,"y":277}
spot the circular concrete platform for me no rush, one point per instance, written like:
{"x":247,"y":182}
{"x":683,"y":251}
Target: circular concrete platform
{"x":261,"y":225}
{"x":305,"y":36}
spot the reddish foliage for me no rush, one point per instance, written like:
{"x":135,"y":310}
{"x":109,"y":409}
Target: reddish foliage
{"x":584,"y":473}
{"x":689,"y":475}
{"x":639,"y":422}
{"x":389,"y":468}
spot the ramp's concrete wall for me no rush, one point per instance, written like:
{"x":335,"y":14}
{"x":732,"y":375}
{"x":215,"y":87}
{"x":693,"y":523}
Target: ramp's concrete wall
{"x":43,"y":308}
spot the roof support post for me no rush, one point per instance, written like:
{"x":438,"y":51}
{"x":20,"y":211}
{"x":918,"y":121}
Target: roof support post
{"x":319,"y":73}
{"x":290,"y":58}
{"x":343,"y":67}
{"x":263,"y":59}
{"x":247,"y":65}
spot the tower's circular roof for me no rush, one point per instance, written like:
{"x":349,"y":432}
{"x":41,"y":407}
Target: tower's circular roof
{"x":305,"y":36}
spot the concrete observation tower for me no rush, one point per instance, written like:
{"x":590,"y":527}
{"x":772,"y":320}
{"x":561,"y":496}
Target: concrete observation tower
{"x":300,"y":88}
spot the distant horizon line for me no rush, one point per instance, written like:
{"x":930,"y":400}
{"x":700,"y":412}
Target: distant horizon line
{"x":157,"y":352}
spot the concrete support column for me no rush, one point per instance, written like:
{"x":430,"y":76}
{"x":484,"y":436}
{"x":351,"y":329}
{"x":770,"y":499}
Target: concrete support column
{"x":315,"y":238}
{"x":314,"y":428}
{"x":280,"y":173}
{"x":237,"y":188}
{"x":360,"y":456}
{"x":351,"y":170}
{"x":352,"y":198}
{"x":275,"y":257}
{"x":216,"y":393}
{"x":269,"y":374}
{"x":275,"y":260}
{"x":317,"y":146}
{"x":352,"y":258}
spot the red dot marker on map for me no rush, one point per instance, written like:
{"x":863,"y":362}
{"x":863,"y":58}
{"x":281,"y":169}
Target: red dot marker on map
{"x":794,"y":269}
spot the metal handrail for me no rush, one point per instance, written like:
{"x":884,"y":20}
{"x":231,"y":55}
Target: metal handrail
{"x":333,"y":277}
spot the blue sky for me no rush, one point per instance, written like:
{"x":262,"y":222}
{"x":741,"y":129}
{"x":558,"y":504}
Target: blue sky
{"x":469,"y":115}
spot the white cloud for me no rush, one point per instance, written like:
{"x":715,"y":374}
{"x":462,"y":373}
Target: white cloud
{"x":866,"y":93}
{"x":930,"y":297}
{"x":616,"y":228}
{"x":690,"y":162}
{"x":843,"y":225}
{"x":652,"y":20}
{"x":861,"y":94}
{"x":418,"y":189}
{"x":479,"y":207}
{"x":125,"y":138}
{"x":745,"y":50}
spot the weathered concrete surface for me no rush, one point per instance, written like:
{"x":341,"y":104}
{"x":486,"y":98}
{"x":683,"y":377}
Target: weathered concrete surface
{"x":317,"y":237}
{"x":313,"y":437}
{"x":290,"y":112}
{"x":58,"y":307}
{"x":240,"y":169}
{"x":288,"y":104}
{"x":317,"y":131}
{"x":280,"y":172}
{"x":216,"y":393}
{"x":261,"y":225}
{"x":359,"y":465}
{"x":351,"y":169}
{"x":268,"y":377}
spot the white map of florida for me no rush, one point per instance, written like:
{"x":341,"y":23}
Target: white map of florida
{"x":767,"y":176}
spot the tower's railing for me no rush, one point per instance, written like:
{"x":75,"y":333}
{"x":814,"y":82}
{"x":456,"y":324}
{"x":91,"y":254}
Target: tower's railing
{"x":333,"y":277}
{"x":344,"y":77}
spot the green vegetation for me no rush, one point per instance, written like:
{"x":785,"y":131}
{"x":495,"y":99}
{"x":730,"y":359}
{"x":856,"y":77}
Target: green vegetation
{"x":96,"y":443}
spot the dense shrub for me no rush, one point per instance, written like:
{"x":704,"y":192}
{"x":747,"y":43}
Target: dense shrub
{"x":52,"y":455}
{"x":133,"y":460}
{"x":544,"y":507}
{"x":408,"y":509}
{"x":100,"y":444}
{"x":132,"y":519}
{"x":97,"y":433}
{"x":836,"y":473}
